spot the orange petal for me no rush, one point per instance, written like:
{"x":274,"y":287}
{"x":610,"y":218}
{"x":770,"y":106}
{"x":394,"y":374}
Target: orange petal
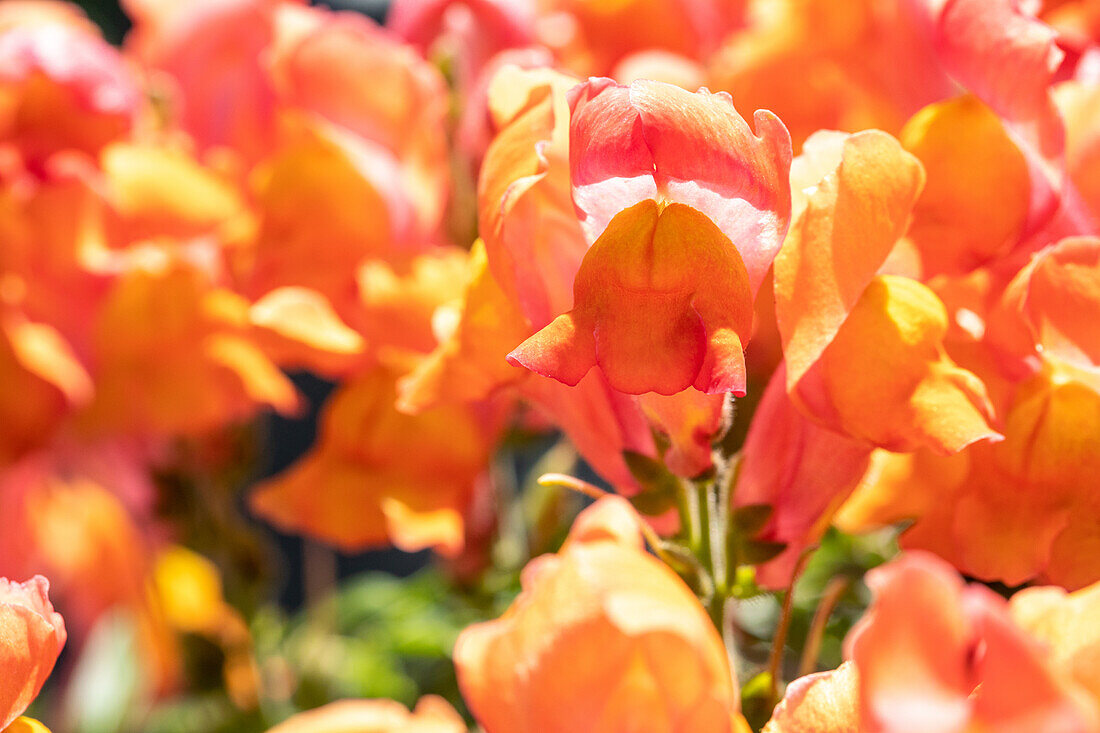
{"x":662,"y":303}
{"x":326,"y":201}
{"x":934,"y":655}
{"x":158,"y":310}
{"x":156,"y":190}
{"x":1020,"y":687}
{"x":1008,"y":511}
{"x":533,"y":240}
{"x":656,"y":141}
{"x":603,"y":33}
{"x":378,"y":476}
{"x":1079,"y":104}
{"x":298,"y":328}
{"x":31,"y":637}
{"x":470,"y":363}
{"x":41,"y":381}
{"x":1066,"y":622}
{"x":888,"y":380}
{"x":852,"y":219}
{"x":803,"y":472}
{"x":404,"y":304}
{"x":1006,"y":56}
{"x":1059,"y":299}
{"x":403,"y":110}
{"x":96,"y":496}
{"x":826,"y":702}
{"x":63,"y":88}
{"x":975,"y":203}
{"x":26,"y":725}
{"x":912,"y":648}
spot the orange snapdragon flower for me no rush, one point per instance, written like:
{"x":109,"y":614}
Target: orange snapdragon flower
{"x":62,"y":88}
{"x":1021,"y":508}
{"x":378,"y":476}
{"x":161,"y":303}
{"x":606,"y":627}
{"x":864,"y":351}
{"x":686,"y":208}
{"x":82,"y":514}
{"x":974,"y":207}
{"x":31,"y":637}
{"x":936,"y":656}
{"x":594,"y":37}
{"x":432,"y":715}
{"x":821,"y":65}
{"x":533,"y":248}
{"x":211,"y":55}
{"x":400,"y":117}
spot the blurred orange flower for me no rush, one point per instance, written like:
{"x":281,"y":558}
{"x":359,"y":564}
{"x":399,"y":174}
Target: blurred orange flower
{"x":377,"y":476}
{"x":62,"y":88}
{"x":163,"y":303}
{"x":934,"y":655}
{"x":432,"y":715}
{"x":1066,"y":622}
{"x":606,"y":627}
{"x":82,"y":515}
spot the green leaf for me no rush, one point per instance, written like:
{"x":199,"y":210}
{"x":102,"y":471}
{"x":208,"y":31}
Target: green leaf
{"x":660,"y":488}
{"x":750,"y":519}
{"x":755,"y":552}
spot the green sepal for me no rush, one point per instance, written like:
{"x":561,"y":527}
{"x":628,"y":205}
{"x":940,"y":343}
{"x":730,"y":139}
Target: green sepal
{"x":758,"y":700}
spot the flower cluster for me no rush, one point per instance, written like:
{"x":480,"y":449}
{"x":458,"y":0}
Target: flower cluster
{"x":874,"y":302}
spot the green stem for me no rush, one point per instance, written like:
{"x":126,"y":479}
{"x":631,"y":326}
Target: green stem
{"x":706,"y":540}
{"x":688,"y":504}
{"x":829,"y":600}
{"x":779,"y":643}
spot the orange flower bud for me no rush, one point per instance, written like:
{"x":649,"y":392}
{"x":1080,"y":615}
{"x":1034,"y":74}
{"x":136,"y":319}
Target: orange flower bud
{"x":826,"y":702}
{"x":975,"y":203}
